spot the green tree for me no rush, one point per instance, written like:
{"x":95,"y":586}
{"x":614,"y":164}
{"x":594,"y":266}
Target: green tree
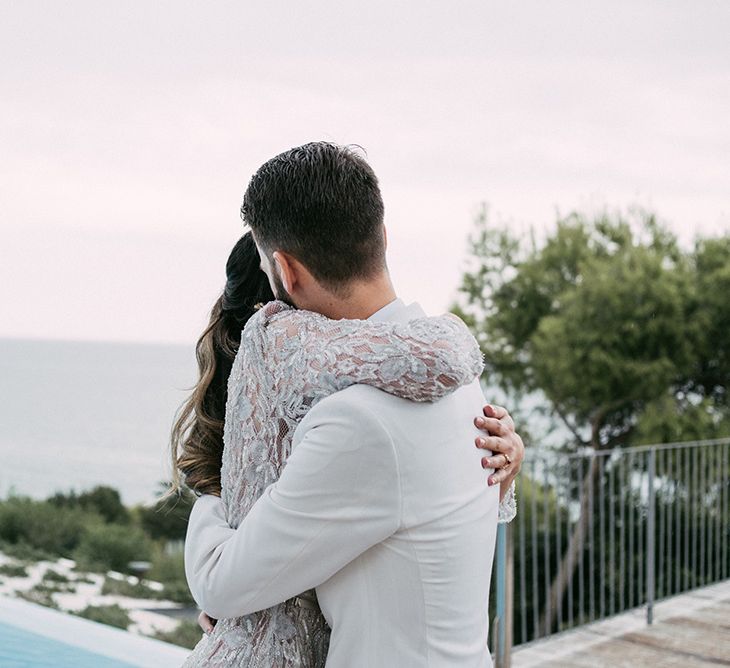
{"x":711,"y":368}
{"x":595,"y":318}
{"x":614,"y":324}
{"x":101,"y":499}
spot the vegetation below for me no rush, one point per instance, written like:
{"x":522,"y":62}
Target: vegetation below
{"x":187,"y":634}
{"x":103,"y":538}
{"x":111,"y":615}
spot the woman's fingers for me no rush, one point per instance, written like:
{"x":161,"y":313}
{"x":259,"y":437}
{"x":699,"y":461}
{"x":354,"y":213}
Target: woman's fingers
{"x":493,"y":443}
{"x":500,"y":413}
{"x":206,"y":623}
{"x":491,"y":410}
{"x":498,"y":476}
{"x":494,"y":462}
{"x":491,"y":426}
{"x":502,"y":468}
{"x":502,"y":440}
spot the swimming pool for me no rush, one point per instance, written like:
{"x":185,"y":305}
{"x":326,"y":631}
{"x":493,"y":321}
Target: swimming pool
{"x":23,"y":649}
{"x":32,"y":636}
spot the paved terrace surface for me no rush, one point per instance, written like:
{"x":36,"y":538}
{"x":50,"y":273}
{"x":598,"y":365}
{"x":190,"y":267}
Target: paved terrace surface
{"x":689,"y":630}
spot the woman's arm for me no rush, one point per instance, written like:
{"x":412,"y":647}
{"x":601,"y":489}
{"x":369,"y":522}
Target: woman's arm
{"x":508,"y":504}
{"x":421,"y":360}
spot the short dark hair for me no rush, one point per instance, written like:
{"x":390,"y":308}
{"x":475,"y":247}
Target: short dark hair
{"x":320,"y":202}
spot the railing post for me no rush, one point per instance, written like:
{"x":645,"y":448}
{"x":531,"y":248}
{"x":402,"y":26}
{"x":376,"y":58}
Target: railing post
{"x":501,"y":653}
{"x":650,"y":545}
{"x":509,"y":587}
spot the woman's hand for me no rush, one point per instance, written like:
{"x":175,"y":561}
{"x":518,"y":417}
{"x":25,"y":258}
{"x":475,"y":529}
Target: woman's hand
{"x":206,"y":623}
{"x":507,"y":447}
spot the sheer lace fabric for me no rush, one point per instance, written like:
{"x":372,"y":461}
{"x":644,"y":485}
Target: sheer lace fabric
{"x":287,"y":362}
{"x":508,"y":506}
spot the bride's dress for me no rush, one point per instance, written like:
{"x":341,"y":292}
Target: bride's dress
{"x":287,"y":362}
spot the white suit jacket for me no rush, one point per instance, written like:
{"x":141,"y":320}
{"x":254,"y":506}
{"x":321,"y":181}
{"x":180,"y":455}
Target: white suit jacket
{"x":384,"y":508}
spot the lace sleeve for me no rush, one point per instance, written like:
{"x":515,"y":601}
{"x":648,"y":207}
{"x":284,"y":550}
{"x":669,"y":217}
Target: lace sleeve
{"x":508,"y":505}
{"x":422,"y":360}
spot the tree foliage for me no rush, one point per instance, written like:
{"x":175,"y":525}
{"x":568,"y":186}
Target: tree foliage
{"x":101,"y":499}
{"x":619,"y":327}
{"x":168,"y":517}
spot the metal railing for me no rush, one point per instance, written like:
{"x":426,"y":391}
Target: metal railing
{"x":601,"y":532}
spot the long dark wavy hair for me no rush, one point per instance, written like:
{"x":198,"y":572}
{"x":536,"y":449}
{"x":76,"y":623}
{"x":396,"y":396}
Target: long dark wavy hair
{"x":196,"y":440}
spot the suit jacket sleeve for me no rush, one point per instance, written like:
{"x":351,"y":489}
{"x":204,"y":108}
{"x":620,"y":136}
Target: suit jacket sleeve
{"x":337,"y":496}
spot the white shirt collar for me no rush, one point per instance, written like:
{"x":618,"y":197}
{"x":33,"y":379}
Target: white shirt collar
{"x":397,"y":311}
{"x":384,"y":314}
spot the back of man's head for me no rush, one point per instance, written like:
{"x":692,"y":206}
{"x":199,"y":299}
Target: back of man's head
{"x":321,"y":203}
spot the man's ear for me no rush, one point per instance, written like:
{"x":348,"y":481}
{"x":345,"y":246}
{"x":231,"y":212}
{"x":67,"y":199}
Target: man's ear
{"x":286,"y":268}
{"x":385,"y":237}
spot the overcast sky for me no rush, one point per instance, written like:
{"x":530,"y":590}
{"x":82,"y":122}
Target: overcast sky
{"x":128,"y":132}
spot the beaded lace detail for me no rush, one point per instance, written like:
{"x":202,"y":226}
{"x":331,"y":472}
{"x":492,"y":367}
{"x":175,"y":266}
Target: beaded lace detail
{"x":508,"y":506}
{"x":287,"y":362}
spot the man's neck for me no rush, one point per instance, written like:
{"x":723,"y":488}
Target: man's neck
{"x":362,"y":300}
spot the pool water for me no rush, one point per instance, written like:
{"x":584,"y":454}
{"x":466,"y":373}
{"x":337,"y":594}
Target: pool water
{"x":23,"y":649}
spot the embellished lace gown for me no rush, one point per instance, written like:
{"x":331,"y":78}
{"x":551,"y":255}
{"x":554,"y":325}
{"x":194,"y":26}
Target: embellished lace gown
{"x":287,"y":362}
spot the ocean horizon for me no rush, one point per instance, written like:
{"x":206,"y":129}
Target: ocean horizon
{"x":75,"y":414}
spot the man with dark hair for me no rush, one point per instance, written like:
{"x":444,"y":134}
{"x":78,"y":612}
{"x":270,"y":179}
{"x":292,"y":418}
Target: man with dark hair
{"x":382,"y":505}
{"x":320,"y":203}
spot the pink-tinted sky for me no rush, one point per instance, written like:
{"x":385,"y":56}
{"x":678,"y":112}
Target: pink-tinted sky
{"x":128,"y":132}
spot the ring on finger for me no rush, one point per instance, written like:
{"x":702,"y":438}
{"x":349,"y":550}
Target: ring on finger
{"x":506,"y":459}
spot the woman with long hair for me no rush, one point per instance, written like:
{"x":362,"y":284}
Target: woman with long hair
{"x":261,"y":370}
{"x":197,"y":434}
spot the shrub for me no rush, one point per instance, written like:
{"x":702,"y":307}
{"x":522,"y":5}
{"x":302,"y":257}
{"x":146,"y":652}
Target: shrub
{"x":102,"y":500}
{"x":42,"y":525}
{"x":186,"y":634}
{"x":168,"y":518}
{"x":13,"y":570}
{"x":24,"y":552}
{"x":114,"y":587}
{"x":109,"y":546}
{"x":54,"y":576}
{"x":167,"y":566}
{"x":39,"y":594}
{"x":50,"y":587}
{"x":111,"y":615}
{"x":179,"y":592}
{"x":169,"y":569}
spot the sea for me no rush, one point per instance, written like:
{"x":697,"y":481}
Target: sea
{"x":78,"y":414}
